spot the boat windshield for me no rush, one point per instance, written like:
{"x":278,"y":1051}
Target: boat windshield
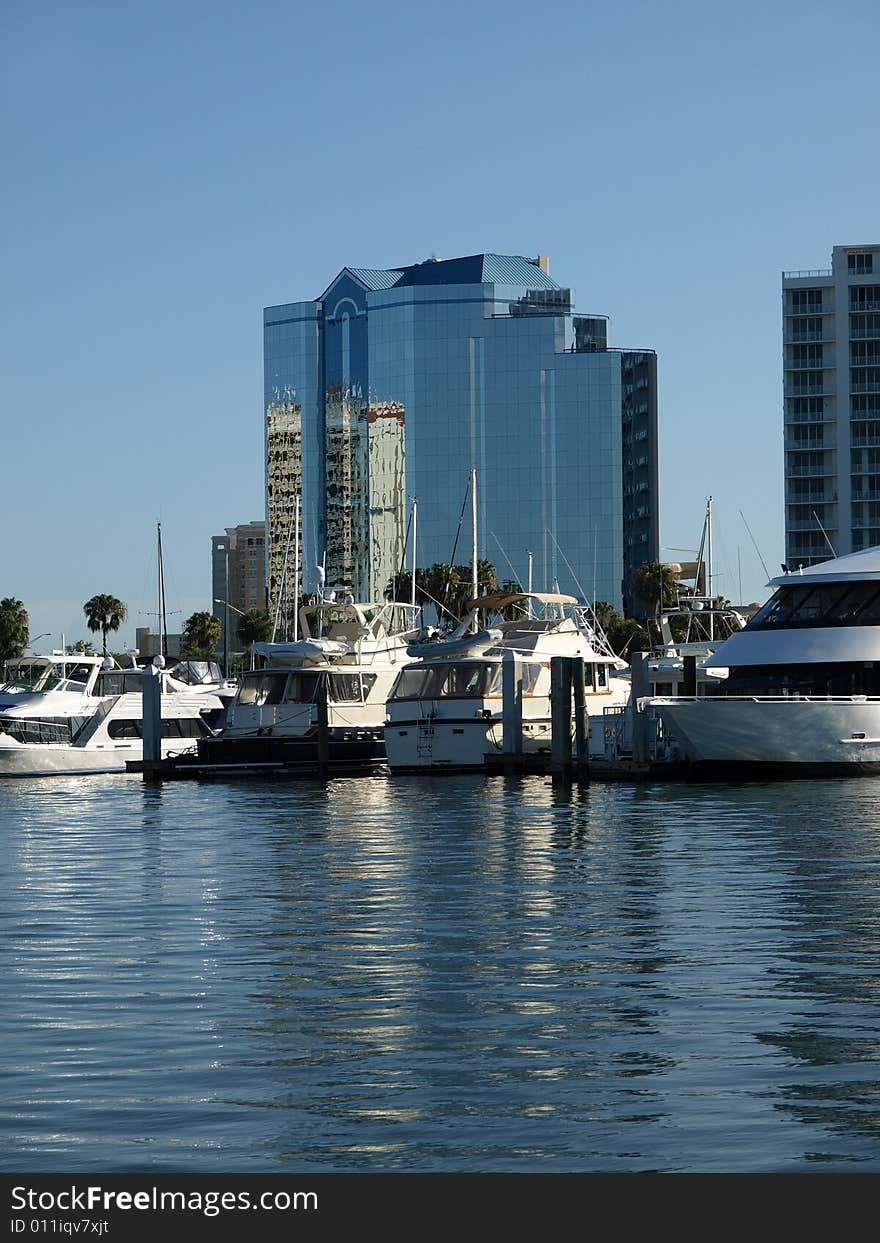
{"x":121,"y":682}
{"x":802,"y":605}
{"x":39,"y":676}
{"x":457,"y":680}
{"x":26,"y":676}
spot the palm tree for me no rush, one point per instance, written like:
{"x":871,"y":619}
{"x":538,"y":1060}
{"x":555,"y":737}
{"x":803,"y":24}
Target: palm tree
{"x":254,"y":626}
{"x":104,"y":613}
{"x":201,"y":633}
{"x":14,"y":632}
{"x":655,"y":585}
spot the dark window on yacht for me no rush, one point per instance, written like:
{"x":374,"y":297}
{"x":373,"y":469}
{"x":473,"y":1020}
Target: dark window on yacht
{"x":117,"y":682}
{"x":79,"y":673}
{"x":411,"y":683}
{"x":345,"y":688}
{"x":471,"y":680}
{"x":601,"y":676}
{"x":301,"y":688}
{"x":184,"y":727}
{"x":862,"y":678}
{"x":826,"y":604}
{"x":262,"y":688}
{"x":369,"y":681}
{"x":47,"y":730}
{"x":126,"y":729}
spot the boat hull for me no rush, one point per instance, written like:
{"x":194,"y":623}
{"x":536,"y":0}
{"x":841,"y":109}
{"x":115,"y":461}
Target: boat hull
{"x":35,"y":760}
{"x":346,"y":750}
{"x":788,"y":737}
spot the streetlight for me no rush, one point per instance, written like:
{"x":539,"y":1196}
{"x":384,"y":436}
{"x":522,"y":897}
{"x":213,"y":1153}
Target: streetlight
{"x":47,"y":634}
{"x":227,"y":606}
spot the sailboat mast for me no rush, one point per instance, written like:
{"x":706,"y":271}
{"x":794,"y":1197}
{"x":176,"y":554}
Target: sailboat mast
{"x":163,"y":622}
{"x":474,"y":532}
{"x":709,"y":585}
{"x":415,"y":524}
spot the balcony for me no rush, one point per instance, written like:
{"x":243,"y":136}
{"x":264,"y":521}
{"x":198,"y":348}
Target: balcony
{"x":795,"y":335}
{"x":820,"y":471}
{"x":869,"y":386}
{"x":865,"y":360}
{"x":806,"y":272}
{"x":827,"y":416}
{"x":809,"y":308}
{"x":808,"y":390}
{"x":869,"y":305}
{"x":865,"y":442}
{"x":820,"y":498}
{"x":808,"y":364}
{"x":864,"y":334}
{"x":809,"y":526}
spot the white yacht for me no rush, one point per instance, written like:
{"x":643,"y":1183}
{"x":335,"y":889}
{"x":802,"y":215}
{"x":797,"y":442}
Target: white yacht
{"x":446,"y":709}
{"x":802,"y":694}
{"x":60,"y":685}
{"x":54,"y":729}
{"x":343,"y":665}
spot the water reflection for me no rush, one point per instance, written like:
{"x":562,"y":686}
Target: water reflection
{"x":467,"y":974}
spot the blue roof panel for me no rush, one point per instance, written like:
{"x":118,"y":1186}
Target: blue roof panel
{"x":376,"y":278}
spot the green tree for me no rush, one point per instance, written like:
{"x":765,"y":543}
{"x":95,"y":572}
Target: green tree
{"x":83,"y":647}
{"x":104,"y":613}
{"x":14,"y":632}
{"x":625,"y":635}
{"x":200,"y":636}
{"x":656,"y":586}
{"x":254,"y":626}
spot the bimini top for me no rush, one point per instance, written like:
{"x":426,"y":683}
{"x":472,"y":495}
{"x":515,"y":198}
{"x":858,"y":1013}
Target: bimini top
{"x":504,"y":599}
{"x":855,"y":565}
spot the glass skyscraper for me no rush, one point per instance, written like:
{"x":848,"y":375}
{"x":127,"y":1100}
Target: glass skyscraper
{"x":395,"y":384}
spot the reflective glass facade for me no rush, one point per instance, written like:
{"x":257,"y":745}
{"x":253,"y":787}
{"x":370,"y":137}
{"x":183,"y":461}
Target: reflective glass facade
{"x":395,"y":384}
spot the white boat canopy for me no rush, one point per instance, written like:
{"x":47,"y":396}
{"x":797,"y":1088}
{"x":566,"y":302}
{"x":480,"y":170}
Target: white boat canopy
{"x":505,"y":599}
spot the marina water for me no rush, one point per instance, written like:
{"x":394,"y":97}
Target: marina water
{"x":458,"y":974}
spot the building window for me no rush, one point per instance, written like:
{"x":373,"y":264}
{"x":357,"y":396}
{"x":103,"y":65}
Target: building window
{"x":864,"y":297}
{"x":860,"y":263}
{"x":804,"y":300}
{"x":807,"y":355}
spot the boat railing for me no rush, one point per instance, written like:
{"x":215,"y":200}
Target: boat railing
{"x":793,"y":698}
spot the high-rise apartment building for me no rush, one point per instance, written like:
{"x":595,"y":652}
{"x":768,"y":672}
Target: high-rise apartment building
{"x":831,"y":344}
{"x":238,"y":574}
{"x":395,"y":384}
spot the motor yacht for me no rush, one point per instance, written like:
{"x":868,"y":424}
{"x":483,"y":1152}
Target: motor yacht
{"x":53,"y":728}
{"x":802,"y":693}
{"x":327,"y":687}
{"x":445,"y":710}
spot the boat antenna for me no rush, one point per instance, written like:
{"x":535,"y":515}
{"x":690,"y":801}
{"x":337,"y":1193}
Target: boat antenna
{"x":825,"y":533}
{"x":757,"y":549}
{"x":448,"y":582}
{"x":568,"y":563}
{"x":514,"y":575}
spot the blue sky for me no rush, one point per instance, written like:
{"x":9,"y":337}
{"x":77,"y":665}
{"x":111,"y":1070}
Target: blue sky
{"x":171,"y":169}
